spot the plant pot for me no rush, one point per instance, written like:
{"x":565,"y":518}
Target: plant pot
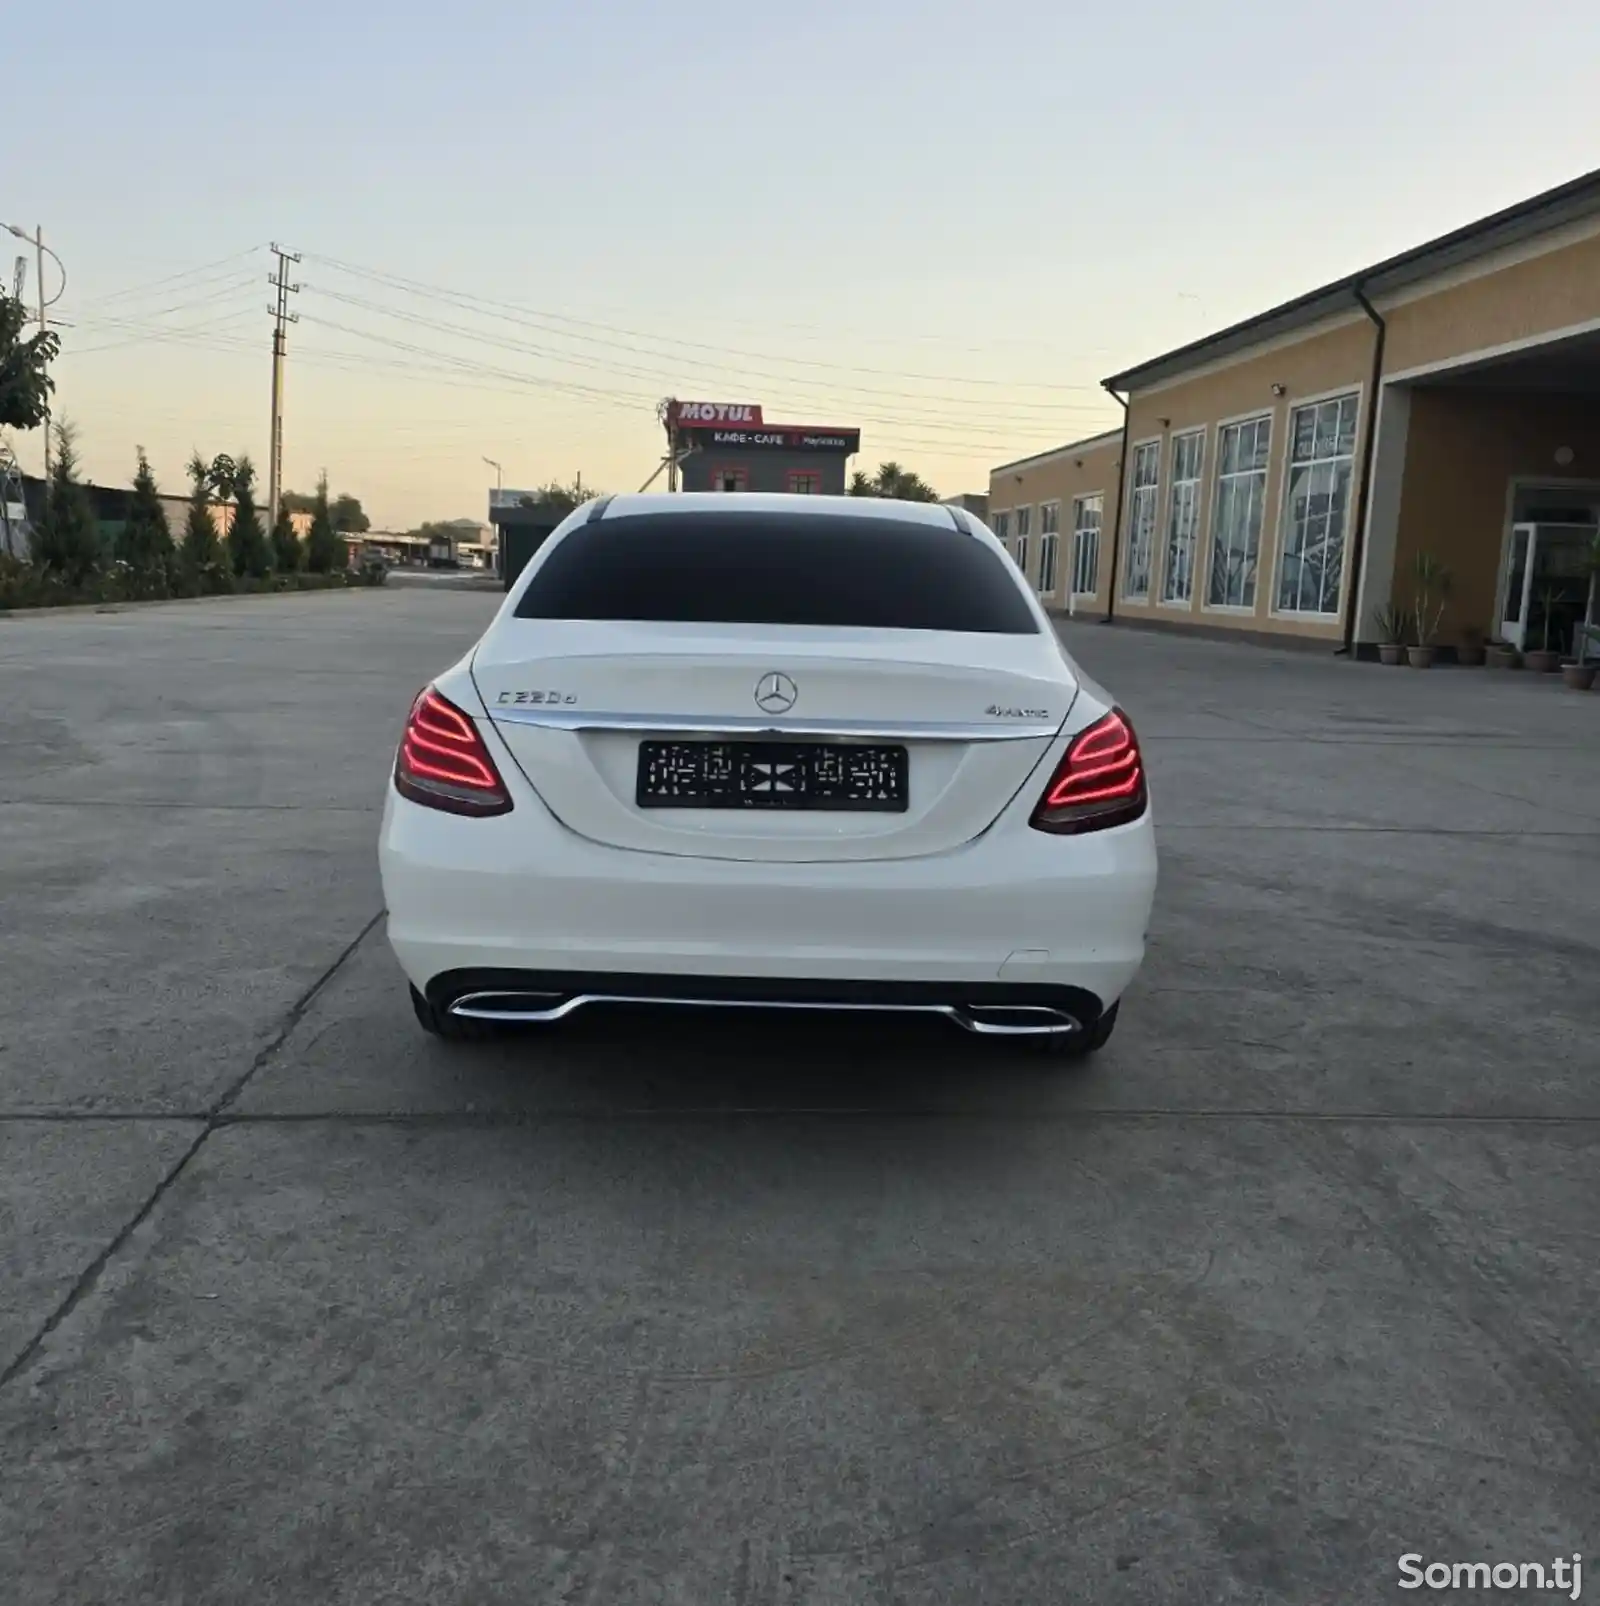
{"x":1504,"y":658}
{"x":1580,"y":677}
{"x":1391,"y":652}
{"x":1542,"y":662}
{"x":1469,"y":657}
{"x":1420,"y":657}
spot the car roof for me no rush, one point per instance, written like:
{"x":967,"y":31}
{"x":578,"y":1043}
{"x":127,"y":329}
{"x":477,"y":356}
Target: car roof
{"x":712,"y":504}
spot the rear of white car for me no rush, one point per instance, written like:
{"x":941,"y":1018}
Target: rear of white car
{"x":760,"y":750}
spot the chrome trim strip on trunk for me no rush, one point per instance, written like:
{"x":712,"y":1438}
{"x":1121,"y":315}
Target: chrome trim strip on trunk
{"x":908,"y":730}
{"x":988,"y":1020}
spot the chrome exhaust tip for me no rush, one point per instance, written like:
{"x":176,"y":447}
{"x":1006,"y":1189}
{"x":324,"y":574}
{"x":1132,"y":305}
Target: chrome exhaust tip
{"x":512,"y":1006}
{"x":1017,"y":1020}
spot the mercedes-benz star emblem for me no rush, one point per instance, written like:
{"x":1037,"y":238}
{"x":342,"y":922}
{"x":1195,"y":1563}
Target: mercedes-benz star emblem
{"x":775,"y":693}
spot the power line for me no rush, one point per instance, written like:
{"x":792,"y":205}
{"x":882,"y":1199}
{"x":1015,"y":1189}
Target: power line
{"x":945,"y":411}
{"x":630,"y":400}
{"x":417,"y":287}
{"x":171,"y":278}
{"x":221,"y":293}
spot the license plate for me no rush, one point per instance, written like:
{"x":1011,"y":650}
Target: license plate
{"x":771,"y":775}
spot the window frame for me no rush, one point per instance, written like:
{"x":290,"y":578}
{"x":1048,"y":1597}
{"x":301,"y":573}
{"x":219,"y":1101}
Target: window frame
{"x":1023,"y":534}
{"x":1049,"y":546}
{"x":1000,"y":526}
{"x":812,"y":474}
{"x":1256,"y":415}
{"x":1078,"y":502}
{"x":1141,"y":599}
{"x":738,"y":471}
{"x":1186,"y":605}
{"x":1356,"y":392}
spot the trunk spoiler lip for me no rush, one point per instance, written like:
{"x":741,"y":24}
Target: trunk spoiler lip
{"x":997,"y":729}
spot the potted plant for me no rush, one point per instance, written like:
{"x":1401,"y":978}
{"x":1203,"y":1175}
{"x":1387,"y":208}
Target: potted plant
{"x":1393,"y":626}
{"x":1544,"y":659}
{"x":1433,"y":583}
{"x":1502,"y":655}
{"x":1471,"y":650}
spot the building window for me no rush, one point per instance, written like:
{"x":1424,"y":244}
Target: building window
{"x":1142,"y":520}
{"x":1236,"y":520}
{"x":1086,"y":512}
{"x":805,"y":482}
{"x":1322,"y":449}
{"x":1024,"y":521}
{"x":1183,"y":520}
{"x":730,"y":479}
{"x":1049,"y":546}
{"x":1000,"y":523}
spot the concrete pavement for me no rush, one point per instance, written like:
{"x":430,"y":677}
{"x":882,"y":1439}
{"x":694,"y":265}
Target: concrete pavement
{"x":1298,"y":1277}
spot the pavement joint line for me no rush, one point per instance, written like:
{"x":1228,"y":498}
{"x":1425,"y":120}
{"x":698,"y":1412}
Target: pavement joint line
{"x":187,"y":803}
{"x":445,"y":1118}
{"x":1469,"y":743}
{"x":213,"y":1116}
{"x":1385,"y":830}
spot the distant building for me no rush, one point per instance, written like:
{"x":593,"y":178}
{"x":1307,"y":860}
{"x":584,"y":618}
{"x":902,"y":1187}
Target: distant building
{"x":521,"y":522}
{"x":726,"y":446}
{"x":972,"y":502}
{"x":1287,"y":475}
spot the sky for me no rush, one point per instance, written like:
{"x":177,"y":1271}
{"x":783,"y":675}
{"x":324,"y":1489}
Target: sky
{"x":521,"y":225}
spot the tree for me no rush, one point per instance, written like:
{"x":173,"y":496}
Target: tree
{"x":560,"y":498}
{"x":247,"y":544}
{"x":348,"y":518}
{"x":25,"y":382}
{"x":298,"y":501}
{"x":199,"y":549}
{"x":145,"y":542}
{"x":324,"y":549}
{"x":223,"y":472}
{"x":895,"y":482}
{"x":67,"y":542}
{"x":286,"y":553}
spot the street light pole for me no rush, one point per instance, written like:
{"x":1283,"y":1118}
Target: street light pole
{"x":40,"y":250}
{"x":499,"y":473}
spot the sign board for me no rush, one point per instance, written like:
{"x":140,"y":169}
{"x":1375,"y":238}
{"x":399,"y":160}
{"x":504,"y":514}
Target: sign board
{"x":736,"y":413}
{"x":789,"y":440}
{"x":511,"y":498}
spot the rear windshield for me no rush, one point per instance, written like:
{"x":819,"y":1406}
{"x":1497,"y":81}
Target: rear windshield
{"x":779,"y":569}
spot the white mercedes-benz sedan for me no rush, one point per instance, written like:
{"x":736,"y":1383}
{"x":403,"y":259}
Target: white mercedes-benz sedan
{"x":771,"y":752}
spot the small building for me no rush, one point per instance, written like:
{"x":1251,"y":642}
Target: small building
{"x":728,"y":446}
{"x":1283,"y":477}
{"x":972,"y":502}
{"x":522,"y":522}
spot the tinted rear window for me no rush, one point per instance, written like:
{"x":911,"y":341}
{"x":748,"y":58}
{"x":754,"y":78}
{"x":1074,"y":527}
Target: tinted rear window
{"x":779,"y":569}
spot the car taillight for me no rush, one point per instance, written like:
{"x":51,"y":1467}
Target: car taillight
{"x":443,"y":762}
{"x":1098,"y":783}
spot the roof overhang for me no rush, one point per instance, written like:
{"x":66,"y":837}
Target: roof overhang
{"x":1567,"y":203}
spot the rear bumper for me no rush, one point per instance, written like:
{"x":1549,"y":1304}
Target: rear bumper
{"x":521,"y":893}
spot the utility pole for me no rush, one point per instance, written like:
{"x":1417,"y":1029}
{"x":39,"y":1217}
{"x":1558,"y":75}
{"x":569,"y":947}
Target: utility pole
{"x":38,"y":268}
{"x":281,"y":319}
{"x":40,"y":251}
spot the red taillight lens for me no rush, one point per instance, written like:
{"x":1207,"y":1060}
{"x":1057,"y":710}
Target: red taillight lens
{"x":443,"y":762}
{"x":1098,"y":783}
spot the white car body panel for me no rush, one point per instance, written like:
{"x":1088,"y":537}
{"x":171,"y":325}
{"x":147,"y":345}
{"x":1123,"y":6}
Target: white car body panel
{"x":577,"y":878}
{"x":975,"y":730}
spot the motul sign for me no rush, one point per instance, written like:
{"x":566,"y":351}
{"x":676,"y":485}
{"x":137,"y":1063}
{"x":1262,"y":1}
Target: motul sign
{"x":716,"y":413}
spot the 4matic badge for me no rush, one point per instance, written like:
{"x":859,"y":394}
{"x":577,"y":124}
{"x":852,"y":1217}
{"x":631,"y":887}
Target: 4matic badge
{"x":995,"y":711}
{"x":565,"y":698}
